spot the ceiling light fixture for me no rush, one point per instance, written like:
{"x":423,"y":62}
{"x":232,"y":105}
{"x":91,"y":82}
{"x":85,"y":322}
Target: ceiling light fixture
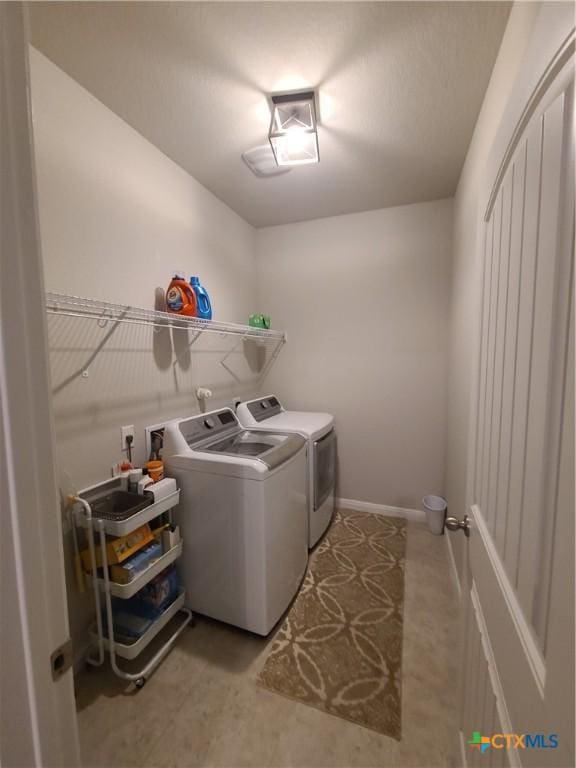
{"x":293,"y":130}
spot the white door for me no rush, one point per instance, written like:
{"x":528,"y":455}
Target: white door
{"x":517,"y":703}
{"x":37,"y":712}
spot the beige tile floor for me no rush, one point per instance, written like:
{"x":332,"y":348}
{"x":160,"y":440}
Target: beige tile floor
{"x":202,"y":706}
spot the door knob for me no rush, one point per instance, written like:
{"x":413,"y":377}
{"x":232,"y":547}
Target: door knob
{"x":453,"y":524}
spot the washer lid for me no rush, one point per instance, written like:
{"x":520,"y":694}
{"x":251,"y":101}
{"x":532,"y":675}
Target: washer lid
{"x":312,"y":425}
{"x":250,"y":461}
{"x":269,"y":447}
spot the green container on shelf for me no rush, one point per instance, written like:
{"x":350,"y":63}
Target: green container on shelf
{"x":259,"y":321}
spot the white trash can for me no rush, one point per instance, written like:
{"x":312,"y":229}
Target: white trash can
{"x":435,"y":507}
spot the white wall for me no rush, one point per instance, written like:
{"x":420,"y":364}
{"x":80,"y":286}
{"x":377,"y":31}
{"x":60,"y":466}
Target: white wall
{"x":117,"y":217}
{"x":466,"y":280}
{"x":364,"y":299}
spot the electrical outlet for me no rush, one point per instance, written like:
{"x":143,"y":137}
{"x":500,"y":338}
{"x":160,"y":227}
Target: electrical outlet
{"x":127,"y":432}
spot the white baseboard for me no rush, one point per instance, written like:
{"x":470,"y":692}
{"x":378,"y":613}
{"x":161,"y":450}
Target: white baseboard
{"x":416,"y":515}
{"x":453,"y":568}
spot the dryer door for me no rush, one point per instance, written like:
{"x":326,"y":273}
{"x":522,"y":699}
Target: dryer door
{"x":324,"y":468}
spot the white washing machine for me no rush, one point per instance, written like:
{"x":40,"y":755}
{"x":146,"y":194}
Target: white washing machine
{"x":267,"y":413}
{"x":243,"y":517}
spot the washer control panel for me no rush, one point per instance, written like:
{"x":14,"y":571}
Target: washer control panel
{"x":198,"y":428}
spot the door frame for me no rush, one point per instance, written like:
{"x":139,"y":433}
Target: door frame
{"x":38,"y":723}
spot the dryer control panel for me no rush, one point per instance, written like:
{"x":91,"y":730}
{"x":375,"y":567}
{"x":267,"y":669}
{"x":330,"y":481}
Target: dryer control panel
{"x":264,"y":408}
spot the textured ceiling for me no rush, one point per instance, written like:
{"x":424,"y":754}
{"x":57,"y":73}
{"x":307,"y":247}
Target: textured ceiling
{"x":400,"y":86}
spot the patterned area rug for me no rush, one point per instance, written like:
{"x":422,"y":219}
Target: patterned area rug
{"x":340,"y":646}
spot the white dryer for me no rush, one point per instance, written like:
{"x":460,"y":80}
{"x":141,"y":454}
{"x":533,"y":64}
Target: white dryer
{"x":267,"y":413}
{"x":243,"y":517}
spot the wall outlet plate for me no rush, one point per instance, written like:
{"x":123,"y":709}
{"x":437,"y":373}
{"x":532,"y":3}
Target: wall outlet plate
{"x":127,"y":432}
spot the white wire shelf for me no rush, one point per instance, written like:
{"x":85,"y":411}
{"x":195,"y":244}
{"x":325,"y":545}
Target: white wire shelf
{"x":104,"y":312}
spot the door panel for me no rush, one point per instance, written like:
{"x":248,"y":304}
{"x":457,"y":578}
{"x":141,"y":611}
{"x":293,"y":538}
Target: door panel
{"x":491,"y":310}
{"x":544,"y":324}
{"x":522,"y":342}
{"x":509,"y":353}
{"x":481,"y":417}
{"x":518,"y":613}
{"x":484,"y":708}
{"x":498,"y":365}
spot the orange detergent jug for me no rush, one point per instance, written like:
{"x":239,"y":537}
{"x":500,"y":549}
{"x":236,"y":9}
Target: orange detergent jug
{"x":180,"y":297}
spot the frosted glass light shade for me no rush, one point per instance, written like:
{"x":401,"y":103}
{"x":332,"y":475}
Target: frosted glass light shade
{"x":293,"y":129}
{"x":295,"y":148}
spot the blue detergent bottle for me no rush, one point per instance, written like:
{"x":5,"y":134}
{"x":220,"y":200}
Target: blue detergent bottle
{"x":204,"y":307}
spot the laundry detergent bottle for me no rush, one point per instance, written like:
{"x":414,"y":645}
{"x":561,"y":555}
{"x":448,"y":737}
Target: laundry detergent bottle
{"x":180,"y":297}
{"x":204,"y":307}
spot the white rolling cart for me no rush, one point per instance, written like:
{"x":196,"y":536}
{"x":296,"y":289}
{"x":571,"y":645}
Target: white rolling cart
{"x":96,"y":529}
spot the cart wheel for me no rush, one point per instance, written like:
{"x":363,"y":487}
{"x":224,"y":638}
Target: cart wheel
{"x":141,"y":682}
